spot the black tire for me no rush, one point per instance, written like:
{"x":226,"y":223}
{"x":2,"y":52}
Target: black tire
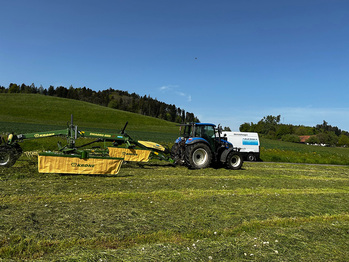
{"x":251,"y":157}
{"x":198,"y":156}
{"x":234,"y":161}
{"x":7,"y":157}
{"x":174,"y":150}
{"x":177,"y":154}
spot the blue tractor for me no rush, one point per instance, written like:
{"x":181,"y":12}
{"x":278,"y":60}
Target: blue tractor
{"x":200,"y":145}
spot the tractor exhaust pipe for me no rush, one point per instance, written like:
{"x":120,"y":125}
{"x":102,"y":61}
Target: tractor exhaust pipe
{"x":123,"y":130}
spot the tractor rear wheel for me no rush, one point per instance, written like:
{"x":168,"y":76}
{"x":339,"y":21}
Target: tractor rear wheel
{"x":7,"y":156}
{"x":234,"y":161}
{"x":198,"y":156}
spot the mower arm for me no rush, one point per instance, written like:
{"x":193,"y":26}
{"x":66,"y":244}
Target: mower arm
{"x":10,"y":150}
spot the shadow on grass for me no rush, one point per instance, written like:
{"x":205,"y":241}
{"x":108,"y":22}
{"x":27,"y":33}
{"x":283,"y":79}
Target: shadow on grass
{"x":96,"y":175}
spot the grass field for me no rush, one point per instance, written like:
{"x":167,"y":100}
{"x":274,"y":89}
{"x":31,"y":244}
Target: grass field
{"x":278,"y":151}
{"x":156,"y":212}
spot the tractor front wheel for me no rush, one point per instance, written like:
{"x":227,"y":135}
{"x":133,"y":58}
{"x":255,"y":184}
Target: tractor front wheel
{"x":198,"y":156}
{"x":234,"y":161}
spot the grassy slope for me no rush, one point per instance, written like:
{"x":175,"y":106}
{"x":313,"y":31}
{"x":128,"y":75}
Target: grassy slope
{"x":53,"y":111}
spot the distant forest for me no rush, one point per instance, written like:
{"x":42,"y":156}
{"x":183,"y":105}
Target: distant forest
{"x":324,"y":133}
{"x":116,"y":99}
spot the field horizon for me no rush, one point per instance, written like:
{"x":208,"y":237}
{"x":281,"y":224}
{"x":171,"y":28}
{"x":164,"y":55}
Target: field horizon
{"x":26,"y":113}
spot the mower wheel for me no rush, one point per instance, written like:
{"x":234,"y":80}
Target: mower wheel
{"x":234,"y":161}
{"x":198,"y":156}
{"x":7,"y":156}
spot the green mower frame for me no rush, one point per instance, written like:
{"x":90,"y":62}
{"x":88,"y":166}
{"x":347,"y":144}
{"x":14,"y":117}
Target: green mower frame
{"x":10,"y":149}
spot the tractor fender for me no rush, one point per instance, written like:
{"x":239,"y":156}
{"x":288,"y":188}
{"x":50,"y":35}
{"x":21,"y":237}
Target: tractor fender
{"x":194,"y":140}
{"x":178,"y":140}
{"x":225,"y":153}
{"x":227,"y":143}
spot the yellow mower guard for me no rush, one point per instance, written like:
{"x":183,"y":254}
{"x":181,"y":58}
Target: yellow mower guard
{"x":76,"y":165}
{"x":128,"y":154}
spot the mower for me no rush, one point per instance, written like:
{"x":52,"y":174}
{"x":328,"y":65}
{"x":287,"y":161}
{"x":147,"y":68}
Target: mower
{"x":72,"y":159}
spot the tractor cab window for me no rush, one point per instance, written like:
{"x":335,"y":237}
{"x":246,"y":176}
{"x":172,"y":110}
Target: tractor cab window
{"x":199,"y":130}
{"x":185,"y":131}
{"x":209,"y":131}
{"x":206,"y":132}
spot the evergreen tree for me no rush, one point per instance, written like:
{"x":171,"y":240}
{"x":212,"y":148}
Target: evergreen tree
{"x":13,"y":88}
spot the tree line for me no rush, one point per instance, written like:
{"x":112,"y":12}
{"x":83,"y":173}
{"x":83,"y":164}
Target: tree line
{"x":116,"y":99}
{"x":270,"y":127}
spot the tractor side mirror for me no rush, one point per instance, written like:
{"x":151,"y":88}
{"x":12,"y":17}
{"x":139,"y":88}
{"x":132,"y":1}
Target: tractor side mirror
{"x":220,"y":129}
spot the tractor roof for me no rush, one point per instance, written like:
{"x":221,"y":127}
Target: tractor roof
{"x":205,"y":124}
{"x":198,"y":124}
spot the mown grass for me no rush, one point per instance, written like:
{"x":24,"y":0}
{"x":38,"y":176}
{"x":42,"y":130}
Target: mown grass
{"x":156,"y":212}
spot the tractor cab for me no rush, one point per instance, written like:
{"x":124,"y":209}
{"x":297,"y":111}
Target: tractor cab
{"x":200,"y":145}
{"x":207,"y":133}
{"x":197,"y":130}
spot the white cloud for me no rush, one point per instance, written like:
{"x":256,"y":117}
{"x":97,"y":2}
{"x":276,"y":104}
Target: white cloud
{"x":163,"y":88}
{"x":168,"y":88}
{"x":172,"y":89}
{"x":188,"y":97}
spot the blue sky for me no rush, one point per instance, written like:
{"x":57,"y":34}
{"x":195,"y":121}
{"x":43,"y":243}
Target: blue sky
{"x":228,"y":62}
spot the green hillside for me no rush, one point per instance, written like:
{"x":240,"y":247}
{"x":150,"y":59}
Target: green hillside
{"x":28,"y":112}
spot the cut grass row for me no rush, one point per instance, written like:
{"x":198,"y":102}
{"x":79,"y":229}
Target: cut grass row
{"x":156,"y":212}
